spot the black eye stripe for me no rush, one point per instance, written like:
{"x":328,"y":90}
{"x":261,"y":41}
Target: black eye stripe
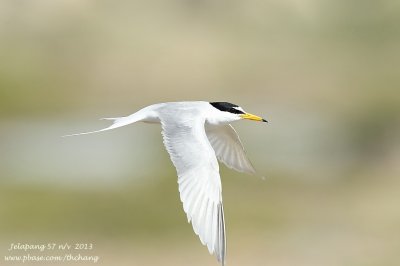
{"x":226,"y":107}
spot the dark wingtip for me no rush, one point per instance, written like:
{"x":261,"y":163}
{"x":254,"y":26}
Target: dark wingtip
{"x":265,"y":121}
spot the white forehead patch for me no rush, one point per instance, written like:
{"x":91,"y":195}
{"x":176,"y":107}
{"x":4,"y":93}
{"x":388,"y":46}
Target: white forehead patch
{"x":239,"y":108}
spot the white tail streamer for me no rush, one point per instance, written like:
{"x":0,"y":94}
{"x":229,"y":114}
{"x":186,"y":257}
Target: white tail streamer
{"x":117,"y":122}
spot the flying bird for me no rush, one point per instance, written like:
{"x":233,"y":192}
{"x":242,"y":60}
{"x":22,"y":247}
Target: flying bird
{"x":196,"y":135}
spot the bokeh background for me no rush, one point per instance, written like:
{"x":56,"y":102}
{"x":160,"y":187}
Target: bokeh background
{"x":326,"y":75}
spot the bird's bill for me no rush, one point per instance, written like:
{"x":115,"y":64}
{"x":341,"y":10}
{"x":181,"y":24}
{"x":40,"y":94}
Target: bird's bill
{"x":252,"y":117}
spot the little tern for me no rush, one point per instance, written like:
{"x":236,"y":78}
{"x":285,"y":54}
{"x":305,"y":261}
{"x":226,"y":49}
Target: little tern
{"x":196,"y":134}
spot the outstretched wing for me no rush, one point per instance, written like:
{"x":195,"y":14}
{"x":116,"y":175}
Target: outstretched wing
{"x":228,"y":148}
{"x":198,"y":178}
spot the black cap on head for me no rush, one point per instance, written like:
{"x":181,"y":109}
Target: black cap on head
{"x":227,"y":107}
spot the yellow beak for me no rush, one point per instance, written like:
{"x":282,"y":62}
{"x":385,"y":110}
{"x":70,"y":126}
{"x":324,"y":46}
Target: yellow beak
{"x":252,"y":117}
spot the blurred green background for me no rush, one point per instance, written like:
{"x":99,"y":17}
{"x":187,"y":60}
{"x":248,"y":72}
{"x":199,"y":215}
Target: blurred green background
{"x":326,"y":75}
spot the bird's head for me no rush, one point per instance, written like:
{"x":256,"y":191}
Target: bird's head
{"x":230,"y":112}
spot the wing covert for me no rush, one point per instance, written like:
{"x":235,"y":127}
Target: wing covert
{"x":228,"y":148}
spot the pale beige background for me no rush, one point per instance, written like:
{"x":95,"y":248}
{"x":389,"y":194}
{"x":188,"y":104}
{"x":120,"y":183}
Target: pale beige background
{"x":326,"y":75}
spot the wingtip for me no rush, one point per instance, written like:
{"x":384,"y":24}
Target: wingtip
{"x":222,"y":234}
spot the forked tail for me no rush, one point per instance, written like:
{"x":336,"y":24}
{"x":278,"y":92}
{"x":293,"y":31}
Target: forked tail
{"x":117,"y":122}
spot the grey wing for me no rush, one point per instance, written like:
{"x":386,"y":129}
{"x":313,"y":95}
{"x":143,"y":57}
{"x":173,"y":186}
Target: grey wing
{"x":198,"y":179}
{"x":228,"y":148}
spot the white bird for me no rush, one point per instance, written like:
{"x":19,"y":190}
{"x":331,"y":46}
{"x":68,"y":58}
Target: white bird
{"x":195,"y":135}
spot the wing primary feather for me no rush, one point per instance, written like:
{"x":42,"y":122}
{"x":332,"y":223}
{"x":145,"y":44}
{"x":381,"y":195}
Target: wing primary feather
{"x":221,"y":235}
{"x":202,"y":220}
{"x":228,"y":148}
{"x":208,"y":228}
{"x":195,"y":203}
{"x":194,"y":158}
